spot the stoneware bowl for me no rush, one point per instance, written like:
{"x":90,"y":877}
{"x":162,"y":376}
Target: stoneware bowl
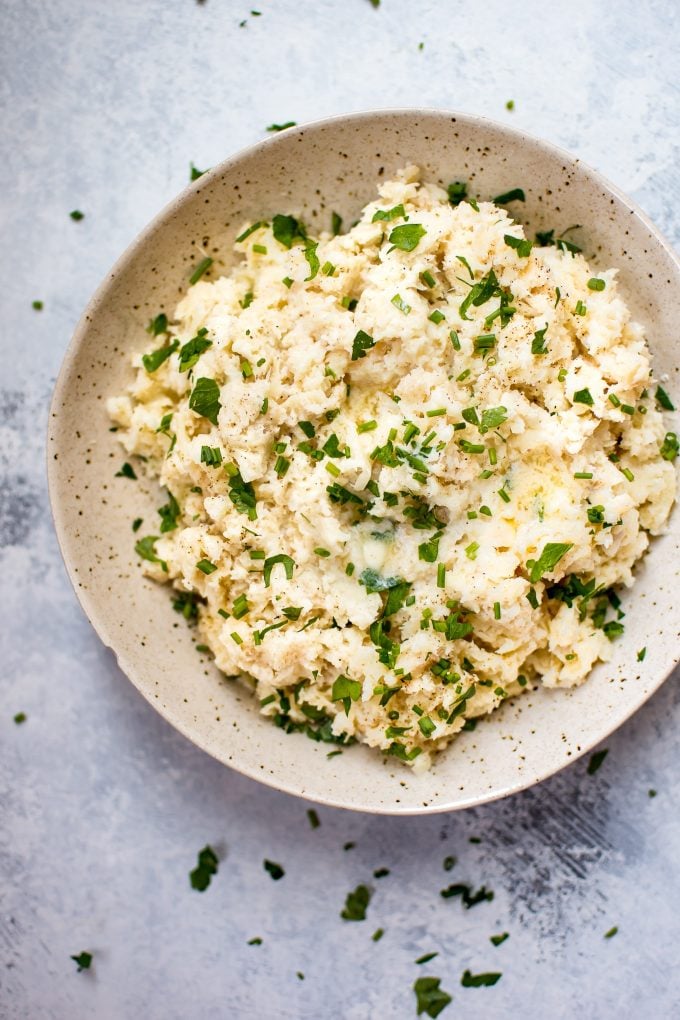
{"x":309,"y":171}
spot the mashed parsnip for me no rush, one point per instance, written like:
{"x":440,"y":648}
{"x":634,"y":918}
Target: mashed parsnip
{"x":406,"y":466}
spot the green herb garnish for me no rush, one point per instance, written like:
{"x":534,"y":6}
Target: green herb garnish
{"x":271,"y":561}
{"x":154,"y":360}
{"x":521,"y":246}
{"x":274,"y":869}
{"x":193,"y":349}
{"x":205,"y":399}
{"x":127,"y":471}
{"x":515,"y":195}
{"x":407,"y":236}
{"x":146,"y":549}
{"x":83,"y":959}
{"x":470,"y":980}
{"x":430,"y":998}
{"x":663,"y":400}
{"x":202,"y":874}
{"x":356,"y":903}
{"x":346,"y":691}
{"x":362,"y":342}
{"x":596,"y":761}
{"x":202,"y":268}
{"x":595,"y":283}
{"x":282,"y":127}
{"x":548,"y":560}
{"x":288,"y":231}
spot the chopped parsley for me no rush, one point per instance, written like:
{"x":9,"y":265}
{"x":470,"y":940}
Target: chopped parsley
{"x":498,"y":940}
{"x":193,"y":349}
{"x":356,"y":903}
{"x":127,"y":471}
{"x":583,"y":396}
{"x":169,"y":514}
{"x":242,"y":494}
{"x":37,"y":306}
{"x":313,"y":818}
{"x":346,"y":691}
{"x":146,"y":549}
{"x":539,"y":341}
{"x":521,"y":246}
{"x":515,"y":195}
{"x":287,"y":230}
{"x":548,"y":560}
{"x":457,"y":192}
{"x":202,"y":268}
{"x":596,"y":761}
{"x":480,"y":293}
{"x":257,"y":941}
{"x":407,"y":236}
{"x":312,"y":259}
{"x":202,"y":874}
{"x":195,"y":173}
{"x":641,"y":654}
{"x":274,"y":869}
{"x":205,"y":399}
{"x":336,"y":223}
{"x":470,"y":980}
{"x":430,"y":998}
{"x":154,"y":360}
{"x":362,"y":342}
{"x":20,"y":718}
{"x":77,"y":215}
{"x":396,"y":212}
{"x":83,"y":959}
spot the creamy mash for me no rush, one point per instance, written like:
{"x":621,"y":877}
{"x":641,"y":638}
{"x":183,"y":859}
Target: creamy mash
{"x":406,"y":465}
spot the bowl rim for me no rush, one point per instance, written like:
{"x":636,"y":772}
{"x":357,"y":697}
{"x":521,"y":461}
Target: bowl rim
{"x":87,"y":601}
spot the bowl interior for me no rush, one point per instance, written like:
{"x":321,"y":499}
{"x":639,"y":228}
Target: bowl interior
{"x":311,"y":171}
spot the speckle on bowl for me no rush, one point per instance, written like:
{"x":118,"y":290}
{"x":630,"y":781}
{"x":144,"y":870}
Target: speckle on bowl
{"x":311,"y":171}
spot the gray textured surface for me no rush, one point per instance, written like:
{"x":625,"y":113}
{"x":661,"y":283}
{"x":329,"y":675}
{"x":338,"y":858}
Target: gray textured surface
{"x":103,"y":807}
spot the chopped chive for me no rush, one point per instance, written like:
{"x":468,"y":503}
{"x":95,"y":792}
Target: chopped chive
{"x":613,"y":399}
{"x":436,"y":316}
{"x":580,"y":308}
{"x":595,"y":283}
{"x":441,"y":575}
{"x":496,"y":610}
{"x":399,"y":303}
{"x":261,"y":249}
{"x":287,"y":282}
{"x":504,"y":496}
{"x":627,"y":473}
{"x":206,"y":567}
{"x":436,"y":412}
{"x":463,"y":375}
{"x":281,"y":466}
{"x":428,"y":279}
{"x":471,"y":550}
{"x":202,"y":267}
{"x":332,"y":469}
{"x":236,"y":637}
{"x":627,"y":409}
{"x":663,"y":400}
{"x":367,"y":426}
{"x":583,"y":474}
{"x":324,"y":553}
{"x":349,"y":569}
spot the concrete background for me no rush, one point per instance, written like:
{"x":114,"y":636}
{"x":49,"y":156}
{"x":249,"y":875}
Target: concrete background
{"x":103,"y":807}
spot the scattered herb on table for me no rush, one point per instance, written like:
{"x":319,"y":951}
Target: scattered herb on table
{"x":426,"y":958}
{"x":313,"y":818}
{"x":596,"y":761}
{"x":430,"y":998}
{"x":498,"y":940}
{"x":612,"y":932}
{"x":202,"y":874}
{"x":83,"y":960}
{"x":467,"y":895}
{"x":282,"y":127}
{"x":37,"y":306}
{"x":257,"y":941}
{"x":356,"y":903}
{"x":274,"y":869}
{"x":20,"y":718}
{"x":77,"y":215}
{"x":378,"y":934}
{"x":470,"y":980}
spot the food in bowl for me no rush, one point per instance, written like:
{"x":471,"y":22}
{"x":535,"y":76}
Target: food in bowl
{"x":407,"y":465}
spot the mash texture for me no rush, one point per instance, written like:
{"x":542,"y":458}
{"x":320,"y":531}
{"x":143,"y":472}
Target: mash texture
{"x":405,"y":466}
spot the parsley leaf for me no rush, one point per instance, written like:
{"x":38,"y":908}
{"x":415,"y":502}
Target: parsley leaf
{"x":287,"y":230}
{"x":492,"y":418}
{"x":346,"y":691}
{"x":169,"y":514}
{"x":202,"y":874}
{"x":407,"y":236}
{"x":430,"y":998}
{"x":242,"y":495}
{"x":356,"y":904}
{"x":127,"y":471}
{"x":154,"y":360}
{"x":498,"y":940}
{"x":146,"y":548}
{"x":389,"y":214}
{"x":362,"y":342}
{"x":205,"y":399}
{"x":548,"y":560}
{"x":193,"y":349}
{"x":516,"y":194}
{"x":521,"y":246}
{"x":583,"y":396}
{"x":158,"y":325}
{"x":77,"y":215}
{"x":539,"y":341}
{"x":457,"y":192}
{"x":480,"y":293}
{"x":312,"y":259}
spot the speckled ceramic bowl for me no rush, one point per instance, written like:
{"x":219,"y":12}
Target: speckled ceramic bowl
{"x":311,"y":170}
